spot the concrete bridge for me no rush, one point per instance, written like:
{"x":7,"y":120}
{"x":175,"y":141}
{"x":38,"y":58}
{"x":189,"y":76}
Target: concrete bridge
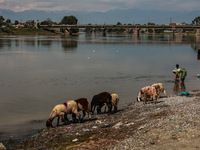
{"x":68,"y":28}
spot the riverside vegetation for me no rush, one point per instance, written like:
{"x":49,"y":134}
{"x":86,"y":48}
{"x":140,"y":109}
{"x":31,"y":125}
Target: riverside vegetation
{"x":24,"y":31}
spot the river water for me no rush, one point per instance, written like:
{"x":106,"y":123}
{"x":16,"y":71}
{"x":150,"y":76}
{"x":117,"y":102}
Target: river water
{"x":38,"y":72}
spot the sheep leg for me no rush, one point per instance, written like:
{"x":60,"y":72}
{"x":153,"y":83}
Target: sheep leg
{"x":66,"y":117}
{"x":99,"y":109}
{"x":105,"y":108}
{"x":115,"y":108}
{"x":154,"y":99}
{"x":89,"y":115}
{"x":93,"y":108}
{"x":73,"y":117}
{"x":75,"y":111}
{"x":83,"y":114}
{"x":109,"y":108}
{"x":58,"y":120}
{"x":165,"y":93}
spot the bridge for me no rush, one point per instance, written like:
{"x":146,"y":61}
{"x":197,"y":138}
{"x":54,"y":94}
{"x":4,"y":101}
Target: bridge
{"x":69,"y":28}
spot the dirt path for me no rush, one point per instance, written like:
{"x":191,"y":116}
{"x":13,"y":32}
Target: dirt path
{"x":174,"y":123}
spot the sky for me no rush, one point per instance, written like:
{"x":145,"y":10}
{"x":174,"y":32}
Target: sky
{"x":99,"y":5}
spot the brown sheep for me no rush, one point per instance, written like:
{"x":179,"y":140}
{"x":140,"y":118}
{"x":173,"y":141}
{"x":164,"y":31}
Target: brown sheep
{"x":62,"y":110}
{"x":85,"y":106}
{"x":99,"y":100}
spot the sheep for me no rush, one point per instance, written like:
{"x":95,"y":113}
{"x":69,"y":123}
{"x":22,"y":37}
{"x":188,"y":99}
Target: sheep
{"x":62,"y":110}
{"x":115,"y":102}
{"x":161,"y":89}
{"x":85,"y":106}
{"x":149,"y":92}
{"x":99,"y":100}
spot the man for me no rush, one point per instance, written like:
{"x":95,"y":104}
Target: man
{"x":177,"y":71}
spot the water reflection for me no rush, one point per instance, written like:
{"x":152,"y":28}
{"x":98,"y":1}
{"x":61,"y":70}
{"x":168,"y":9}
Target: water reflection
{"x":45,"y":43}
{"x":179,"y":87}
{"x":5,"y":43}
{"x":69,"y":44}
{"x":38,"y":43}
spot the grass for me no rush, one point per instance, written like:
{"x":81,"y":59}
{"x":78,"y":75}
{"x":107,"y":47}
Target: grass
{"x":23,"y":31}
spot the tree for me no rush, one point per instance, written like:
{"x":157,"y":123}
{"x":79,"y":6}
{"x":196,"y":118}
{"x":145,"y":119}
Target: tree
{"x":151,"y":23}
{"x":69,"y":20}
{"x":16,"y":22}
{"x":119,"y":23}
{"x":8,"y":21}
{"x":1,"y":21}
{"x":196,"y":21}
{"x":47,"y":22}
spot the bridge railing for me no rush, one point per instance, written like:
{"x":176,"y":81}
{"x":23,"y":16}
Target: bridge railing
{"x":123,"y":26}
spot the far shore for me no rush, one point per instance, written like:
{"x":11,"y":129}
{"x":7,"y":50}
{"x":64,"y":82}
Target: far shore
{"x":34,"y":31}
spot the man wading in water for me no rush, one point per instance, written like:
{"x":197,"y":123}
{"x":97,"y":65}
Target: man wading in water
{"x":177,"y":71}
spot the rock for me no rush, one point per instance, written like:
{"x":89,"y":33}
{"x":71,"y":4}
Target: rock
{"x":94,"y":127}
{"x":74,"y":140}
{"x":118,"y":125}
{"x":141,"y":127}
{"x":128,"y":124}
{"x":98,"y":122}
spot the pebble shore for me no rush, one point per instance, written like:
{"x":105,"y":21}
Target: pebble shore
{"x":173,"y":123}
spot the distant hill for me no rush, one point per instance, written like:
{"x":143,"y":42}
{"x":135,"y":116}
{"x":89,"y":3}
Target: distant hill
{"x":133,"y":16}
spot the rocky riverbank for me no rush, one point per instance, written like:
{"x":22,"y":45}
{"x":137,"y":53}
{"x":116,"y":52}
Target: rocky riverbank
{"x":171,"y":124}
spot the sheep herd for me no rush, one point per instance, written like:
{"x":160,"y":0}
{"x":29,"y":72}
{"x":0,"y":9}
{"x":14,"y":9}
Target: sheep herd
{"x":98,"y":101}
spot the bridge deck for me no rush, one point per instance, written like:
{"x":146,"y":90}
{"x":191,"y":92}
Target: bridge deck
{"x":189,"y":27}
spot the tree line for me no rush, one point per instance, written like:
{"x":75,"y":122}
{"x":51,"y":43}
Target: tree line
{"x":66,"y":20}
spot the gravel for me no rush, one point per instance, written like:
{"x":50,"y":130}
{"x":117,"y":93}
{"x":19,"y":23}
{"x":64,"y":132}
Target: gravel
{"x":173,"y":123}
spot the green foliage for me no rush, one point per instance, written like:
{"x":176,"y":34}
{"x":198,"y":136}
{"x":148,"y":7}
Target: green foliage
{"x":16,"y":22}
{"x":2,"y":18}
{"x":47,"y":22}
{"x":150,"y":23}
{"x":71,"y":20}
{"x":159,"y":30}
{"x":8,"y":21}
{"x":1,"y":21}
{"x":196,"y":21}
{"x":119,"y":23}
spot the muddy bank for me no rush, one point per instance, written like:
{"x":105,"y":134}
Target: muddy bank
{"x":172,"y":123}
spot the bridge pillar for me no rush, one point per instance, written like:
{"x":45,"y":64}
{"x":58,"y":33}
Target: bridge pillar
{"x":93,"y":30}
{"x":173,"y":33}
{"x":198,"y":32}
{"x":66,"y":32}
{"x":138,"y":32}
{"x":104,"y":31}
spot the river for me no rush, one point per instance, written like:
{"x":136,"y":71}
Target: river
{"x":38,"y":72}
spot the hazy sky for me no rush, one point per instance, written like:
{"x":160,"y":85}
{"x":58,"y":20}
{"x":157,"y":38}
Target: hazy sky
{"x":99,"y":5}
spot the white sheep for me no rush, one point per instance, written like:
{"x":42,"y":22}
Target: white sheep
{"x":161,"y":89}
{"x":114,"y":101}
{"x":62,"y":110}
